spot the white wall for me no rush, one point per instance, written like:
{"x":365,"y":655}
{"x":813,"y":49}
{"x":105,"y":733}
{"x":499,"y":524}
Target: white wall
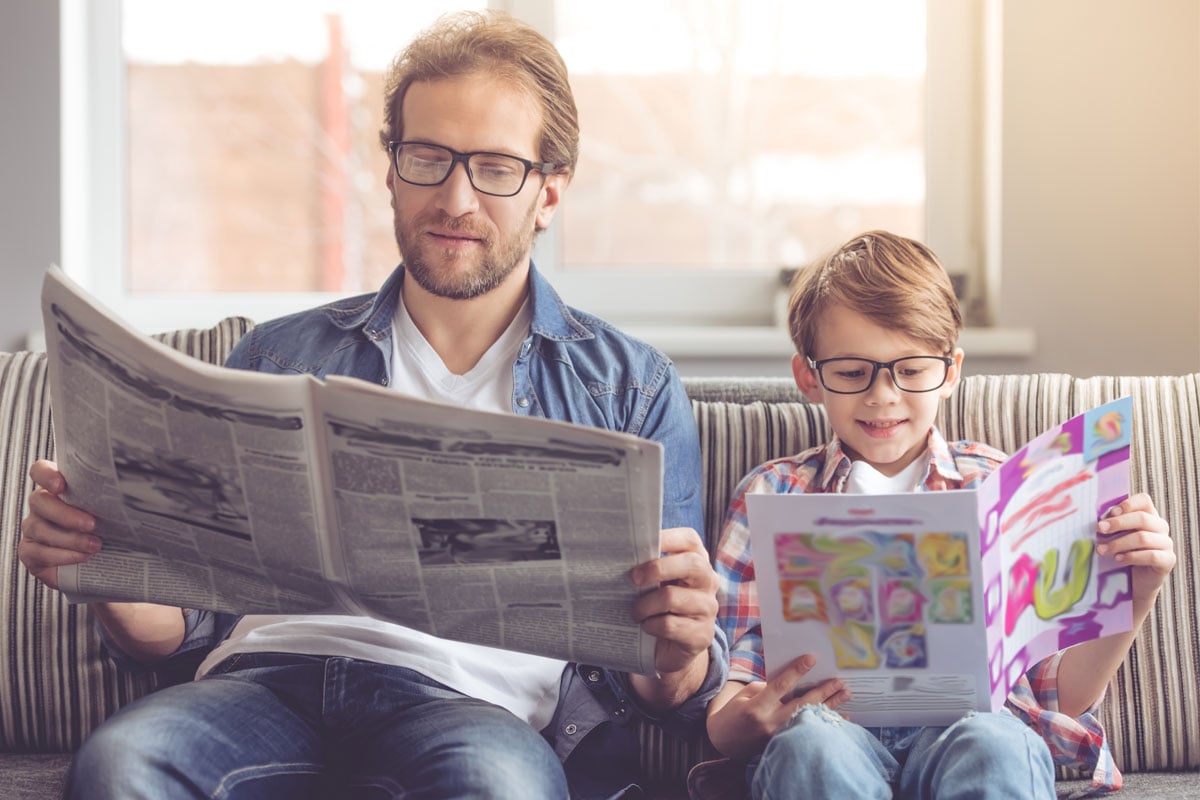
{"x":1100,"y":184}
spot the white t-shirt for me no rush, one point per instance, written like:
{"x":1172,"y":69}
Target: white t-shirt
{"x":524,"y":684}
{"x":865,"y":479}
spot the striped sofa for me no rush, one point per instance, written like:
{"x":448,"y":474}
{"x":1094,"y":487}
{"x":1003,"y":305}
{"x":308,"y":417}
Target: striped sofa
{"x":58,"y":685}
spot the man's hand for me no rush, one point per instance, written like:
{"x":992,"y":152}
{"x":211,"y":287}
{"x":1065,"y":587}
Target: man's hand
{"x":54,"y":533}
{"x":680,"y":613}
{"x":744,"y":716}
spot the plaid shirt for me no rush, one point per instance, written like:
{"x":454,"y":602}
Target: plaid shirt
{"x":1074,"y":742}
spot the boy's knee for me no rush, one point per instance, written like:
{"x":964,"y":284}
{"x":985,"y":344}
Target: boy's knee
{"x":1003,"y":737}
{"x":811,"y":733}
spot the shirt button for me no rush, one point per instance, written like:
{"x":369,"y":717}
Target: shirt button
{"x":594,"y":676}
{"x":620,"y":712}
{"x":523,"y":402}
{"x":570,"y":729}
{"x":383,"y":381}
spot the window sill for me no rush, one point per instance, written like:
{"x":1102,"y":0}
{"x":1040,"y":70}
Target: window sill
{"x":768,"y":342}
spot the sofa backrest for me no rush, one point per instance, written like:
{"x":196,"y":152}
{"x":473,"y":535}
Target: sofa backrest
{"x":59,"y":684}
{"x":1152,"y":711}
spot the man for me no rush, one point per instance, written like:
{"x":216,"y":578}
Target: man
{"x":482,"y":137}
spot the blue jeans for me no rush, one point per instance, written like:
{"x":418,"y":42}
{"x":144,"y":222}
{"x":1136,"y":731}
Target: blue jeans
{"x":278,"y":725}
{"x":981,"y":756}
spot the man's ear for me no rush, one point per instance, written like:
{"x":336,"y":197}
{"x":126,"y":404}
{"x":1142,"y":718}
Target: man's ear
{"x":953,"y":375}
{"x":548,"y":198}
{"x":807,"y":380}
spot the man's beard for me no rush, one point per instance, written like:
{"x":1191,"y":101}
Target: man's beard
{"x":500,"y":256}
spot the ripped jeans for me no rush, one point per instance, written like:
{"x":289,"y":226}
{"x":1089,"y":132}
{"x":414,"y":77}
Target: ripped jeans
{"x":822,"y":755}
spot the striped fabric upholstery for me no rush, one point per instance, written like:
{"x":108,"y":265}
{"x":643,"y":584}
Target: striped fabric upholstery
{"x":1151,"y":711}
{"x":59,"y":686}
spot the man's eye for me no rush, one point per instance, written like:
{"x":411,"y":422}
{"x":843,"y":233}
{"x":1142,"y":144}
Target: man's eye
{"x":495,"y":169}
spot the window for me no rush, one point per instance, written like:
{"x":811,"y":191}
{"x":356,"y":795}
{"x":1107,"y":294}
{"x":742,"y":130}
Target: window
{"x":218,"y":159}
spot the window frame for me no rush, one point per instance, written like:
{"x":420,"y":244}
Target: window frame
{"x":94,"y":192}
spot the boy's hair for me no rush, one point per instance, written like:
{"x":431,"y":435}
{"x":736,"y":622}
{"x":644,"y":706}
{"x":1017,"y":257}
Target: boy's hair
{"x":895,"y":282}
{"x":493,"y":42}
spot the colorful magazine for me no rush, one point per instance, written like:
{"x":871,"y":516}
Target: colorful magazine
{"x":932,"y":604}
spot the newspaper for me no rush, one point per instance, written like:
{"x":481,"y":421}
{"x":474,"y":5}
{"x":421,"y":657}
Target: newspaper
{"x":932,"y":604}
{"x":236,"y":491}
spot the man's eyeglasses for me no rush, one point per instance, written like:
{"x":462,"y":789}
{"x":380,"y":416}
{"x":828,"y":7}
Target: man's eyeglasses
{"x":857,"y":375}
{"x":497,"y":174}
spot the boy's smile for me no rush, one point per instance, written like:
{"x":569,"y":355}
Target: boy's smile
{"x":883,"y":426}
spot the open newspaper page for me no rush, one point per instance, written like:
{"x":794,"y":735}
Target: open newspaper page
{"x":200,"y":477}
{"x":491,"y":528}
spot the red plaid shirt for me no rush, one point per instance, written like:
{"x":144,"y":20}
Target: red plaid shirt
{"x":1077,"y":742}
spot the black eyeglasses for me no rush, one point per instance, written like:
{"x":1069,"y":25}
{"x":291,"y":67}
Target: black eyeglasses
{"x":497,"y":174}
{"x":857,"y":375}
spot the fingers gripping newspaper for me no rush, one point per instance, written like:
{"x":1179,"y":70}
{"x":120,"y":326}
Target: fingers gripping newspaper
{"x":236,"y":491}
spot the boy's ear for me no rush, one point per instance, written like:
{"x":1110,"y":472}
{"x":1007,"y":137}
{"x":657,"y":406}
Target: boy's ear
{"x":807,"y":380}
{"x":954,"y":375}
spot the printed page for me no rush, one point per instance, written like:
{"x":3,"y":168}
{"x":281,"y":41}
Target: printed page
{"x":1049,"y":588}
{"x":199,"y":476}
{"x":884,"y":590}
{"x":490,"y":528}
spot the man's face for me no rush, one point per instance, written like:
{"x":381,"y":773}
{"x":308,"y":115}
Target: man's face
{"x":883,"y":426}
{"x":455,"y":241}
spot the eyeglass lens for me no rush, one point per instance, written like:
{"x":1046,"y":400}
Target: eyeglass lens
{"x":913,"y":374}
{"x":491,"y":173}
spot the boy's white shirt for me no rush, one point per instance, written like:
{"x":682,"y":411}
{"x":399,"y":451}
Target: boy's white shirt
{"x":526,"y":685}
{"x":865,"y":479}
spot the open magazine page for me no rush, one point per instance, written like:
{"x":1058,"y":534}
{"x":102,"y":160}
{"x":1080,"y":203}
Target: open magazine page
{"x":884,"y":590}
{"x":491,"y":528}
{"x":198,"y":475}
{"x":1047,"y":587}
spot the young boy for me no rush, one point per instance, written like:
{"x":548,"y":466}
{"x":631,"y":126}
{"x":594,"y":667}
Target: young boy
{"x":875,"y":327}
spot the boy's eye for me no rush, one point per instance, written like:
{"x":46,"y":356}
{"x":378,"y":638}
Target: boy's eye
{"x":912,"y":372}
{"x":850,"y":374}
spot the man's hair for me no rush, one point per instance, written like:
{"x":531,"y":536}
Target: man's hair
{"x":496,"y":44}
{"x":895,"y":282}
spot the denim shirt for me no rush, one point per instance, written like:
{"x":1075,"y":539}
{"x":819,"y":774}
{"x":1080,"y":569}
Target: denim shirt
{"x":572,"y":367}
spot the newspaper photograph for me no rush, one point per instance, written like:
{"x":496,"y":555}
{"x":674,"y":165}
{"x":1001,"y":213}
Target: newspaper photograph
{"x":250,"y":493}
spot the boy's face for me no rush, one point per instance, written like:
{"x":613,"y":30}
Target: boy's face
{"x":883,"y":426}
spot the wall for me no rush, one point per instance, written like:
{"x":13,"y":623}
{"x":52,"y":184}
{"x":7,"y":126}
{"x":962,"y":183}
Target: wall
{"x":29,"y":174}
{"x":1099,"y":218}
{"x":1101,"y":184}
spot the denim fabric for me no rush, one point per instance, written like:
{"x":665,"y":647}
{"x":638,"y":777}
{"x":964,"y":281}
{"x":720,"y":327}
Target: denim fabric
{"x":572,"y":367}
{"x":277,"y":725}
{"x":982,"y":756}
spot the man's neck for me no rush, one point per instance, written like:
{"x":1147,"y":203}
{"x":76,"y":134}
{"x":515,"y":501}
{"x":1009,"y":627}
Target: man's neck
{"x":461,"y":331}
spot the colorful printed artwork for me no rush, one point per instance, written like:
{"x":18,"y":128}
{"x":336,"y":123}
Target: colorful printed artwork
{"x":876,"y":591}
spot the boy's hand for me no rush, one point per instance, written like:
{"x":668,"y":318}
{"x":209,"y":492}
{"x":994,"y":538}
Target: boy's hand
{"x":54,"y":533}
{"x":1143,"y":541}
{"x":745,"y":718}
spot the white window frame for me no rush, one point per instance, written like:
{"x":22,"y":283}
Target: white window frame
{"x":958,"y":211}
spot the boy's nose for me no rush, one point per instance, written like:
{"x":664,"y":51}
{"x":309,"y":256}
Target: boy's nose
{"x":883,"y":388}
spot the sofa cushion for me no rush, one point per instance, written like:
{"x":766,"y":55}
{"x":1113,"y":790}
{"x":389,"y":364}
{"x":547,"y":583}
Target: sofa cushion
{"x":59,"y":684}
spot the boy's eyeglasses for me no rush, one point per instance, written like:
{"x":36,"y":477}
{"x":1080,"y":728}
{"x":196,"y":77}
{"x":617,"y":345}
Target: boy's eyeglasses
{"x":857,"y":375}
{"x":497,"y":174}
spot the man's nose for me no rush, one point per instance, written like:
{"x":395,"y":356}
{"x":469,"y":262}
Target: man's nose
{"x":456,"y":196}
